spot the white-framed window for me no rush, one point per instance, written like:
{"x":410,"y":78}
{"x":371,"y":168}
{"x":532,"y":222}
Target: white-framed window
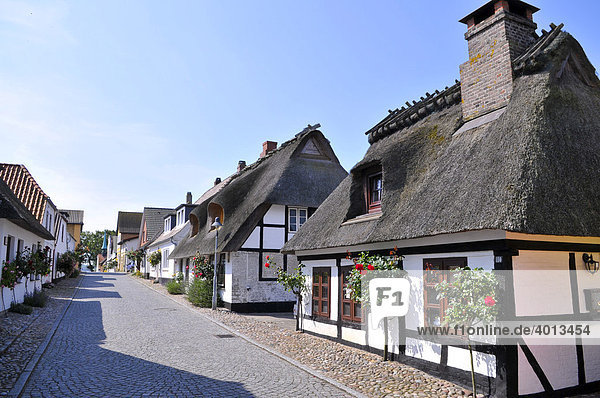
{"x":165,"y":259}
{"x":168,"y":224}
{"x":180,"y":216}
{"x":296,"y":218}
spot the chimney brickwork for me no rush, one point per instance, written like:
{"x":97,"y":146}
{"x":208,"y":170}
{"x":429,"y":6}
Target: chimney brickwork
{"x":188,"y":198}
{"x":268,"y":146}
{"x":241,"y":165}
{"x":487,"y":77}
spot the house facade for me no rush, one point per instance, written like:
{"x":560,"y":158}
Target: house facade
{"x":175,"y":227}
{"x":261,"y":206}
{"x":128,"y":230}
{"x":150,"y":227}
{"x":18,"y":229}
{"x":27,"y":190}
{"x":496,"y":171}
{"x":74,"y":223}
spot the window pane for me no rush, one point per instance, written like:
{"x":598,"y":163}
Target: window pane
{"x":432,"y":296}
{"x":325,"y":307}
{"x":346,"y":309}
{"x":315,"y":306}
{"x":357,"y":310}
{"x":293,"y":226}
{"x":292,"y":212}
{"x":324,"y":291}
{"x":303,"y":213}
{"x":315,"y":291}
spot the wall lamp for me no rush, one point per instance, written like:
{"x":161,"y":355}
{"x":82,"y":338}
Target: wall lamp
{"x":590,"y":264}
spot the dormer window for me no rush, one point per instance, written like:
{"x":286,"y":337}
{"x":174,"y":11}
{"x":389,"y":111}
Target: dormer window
{"x":374,"y":192}
{"x":167,"y":224}
{"x":180,"y":217}
{"x":296,"y":217}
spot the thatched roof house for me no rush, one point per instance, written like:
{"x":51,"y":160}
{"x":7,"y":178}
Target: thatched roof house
{"x":498,"y":171}
{"x":261,"y":206}
{"x":532,"y":170}
{"x":289,"y":175}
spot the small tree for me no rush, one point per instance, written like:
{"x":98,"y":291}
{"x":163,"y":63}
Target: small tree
{"x":154,"y":259}
{"x":10,"y":275}
{"x":470,"y":294}
{"x":136,"y":256}
{"x":292,"y":282}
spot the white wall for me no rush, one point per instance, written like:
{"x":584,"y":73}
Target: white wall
{"x":30,"y":240}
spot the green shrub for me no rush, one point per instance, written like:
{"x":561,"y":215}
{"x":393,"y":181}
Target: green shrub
{"x":174,"y":287}
{"x":21,"y":308}
{"x":200,"y":293}
{"x":36,"y":299}
{"x":75,"y":273}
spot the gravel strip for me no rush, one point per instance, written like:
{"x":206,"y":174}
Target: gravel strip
{"x":360,"y":370}
{"x":21,"y":335}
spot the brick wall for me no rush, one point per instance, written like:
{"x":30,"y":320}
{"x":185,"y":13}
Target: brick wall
{"x":486,"y":78}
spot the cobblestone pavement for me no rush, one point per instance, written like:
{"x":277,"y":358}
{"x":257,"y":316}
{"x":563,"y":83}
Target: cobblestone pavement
{"x":120,"y":339}
{"x":358,"y":369}
{"x":21,"y":335}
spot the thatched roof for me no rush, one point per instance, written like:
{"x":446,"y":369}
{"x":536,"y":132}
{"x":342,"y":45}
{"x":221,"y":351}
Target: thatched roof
{"x":12,"y":209}
{"x":535,"y":169}
{"x":285,"y":176}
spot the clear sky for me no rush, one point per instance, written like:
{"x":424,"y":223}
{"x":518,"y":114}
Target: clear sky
{"x":117,"y":105}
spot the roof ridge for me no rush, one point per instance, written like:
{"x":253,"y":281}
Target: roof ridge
{"x":399,"y":119}
{"x":530,"y":55}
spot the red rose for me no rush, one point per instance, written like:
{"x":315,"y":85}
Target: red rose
{"x":267,"y":265}
{"x":360,"y":267}
{"x":489,"y":301}
{"x":267,"y":257}
{"x":370,"y":267}
{"x":187,"y":267}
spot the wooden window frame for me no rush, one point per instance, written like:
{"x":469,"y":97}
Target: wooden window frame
{"x":353,"y":317}
{"x":318,"y":283}
{"x":373,"y":206}
{"x":445,"y":265}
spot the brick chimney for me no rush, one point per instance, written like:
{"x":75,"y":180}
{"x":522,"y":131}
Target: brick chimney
{"x":188,"y":198}
{"x":241,"y":165}
{"x":268,"y":146}
{"x":497,"y":33}
{"x":217,"y":180}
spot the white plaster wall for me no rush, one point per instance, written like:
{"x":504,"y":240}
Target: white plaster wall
{"x":321,"y":328}
{"x":555,"y":297}
{"x":559,"y":364}
{"x":253,"y":241}
{"x":273,"y":238}
{"x":275,"y":215}
{"x":591,"y":355}
{"x":245,"y":286}
{"x":585,"y":280}
{"x":308,"y":270}
{"x":356,"y":336}
{"x":159,"y":271}
{"x":460,"y":358}
{"x":423,"y":350}
{"x":29,"y":240}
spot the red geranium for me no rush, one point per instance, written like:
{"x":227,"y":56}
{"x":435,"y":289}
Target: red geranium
{"x":489,"y":301}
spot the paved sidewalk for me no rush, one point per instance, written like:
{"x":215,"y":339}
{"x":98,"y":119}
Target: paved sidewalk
{"x":21,"y":335}
{"x":120,"y":339}
{"x":360,"y":370}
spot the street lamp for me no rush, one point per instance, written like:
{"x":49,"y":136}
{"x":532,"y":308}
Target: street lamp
{"x":216,"y":225}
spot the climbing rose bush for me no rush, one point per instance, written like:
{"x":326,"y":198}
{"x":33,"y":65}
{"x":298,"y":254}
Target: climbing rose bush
{"x":365,"y":262}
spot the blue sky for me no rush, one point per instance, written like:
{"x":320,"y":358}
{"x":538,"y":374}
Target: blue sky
{"x":117,"y":105}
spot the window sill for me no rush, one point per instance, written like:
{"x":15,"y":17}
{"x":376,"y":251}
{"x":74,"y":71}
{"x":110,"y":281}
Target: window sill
{"x":363,"y":218}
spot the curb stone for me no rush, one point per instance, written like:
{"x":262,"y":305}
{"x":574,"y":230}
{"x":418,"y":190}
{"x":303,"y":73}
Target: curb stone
{"x":291,"y":361}
{"x":17,"y":389}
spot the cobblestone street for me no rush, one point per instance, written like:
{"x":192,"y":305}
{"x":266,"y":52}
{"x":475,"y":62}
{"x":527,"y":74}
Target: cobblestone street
{"x":120,"y":339}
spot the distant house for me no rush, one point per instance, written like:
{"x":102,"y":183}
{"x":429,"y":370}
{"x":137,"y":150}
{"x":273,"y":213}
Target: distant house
{"x":74,"y":223}
{"x":261,"y":206}
{"x":18,"y":229}
{"x":499,"y":171}
{"x":150,"y":227}
{"x":128,"y":231}
{"x":24,"y":186}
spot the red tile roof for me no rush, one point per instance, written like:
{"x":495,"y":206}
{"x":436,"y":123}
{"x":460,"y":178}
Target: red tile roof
{"x":24,"y":186}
